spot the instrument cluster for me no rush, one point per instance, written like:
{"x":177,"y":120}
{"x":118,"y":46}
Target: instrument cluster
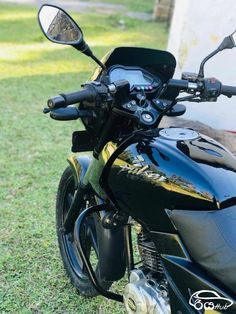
{"x":143,"y":106}
{"x":139,"y":79}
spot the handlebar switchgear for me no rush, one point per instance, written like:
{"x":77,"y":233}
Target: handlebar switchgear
{"x":211,"y":89}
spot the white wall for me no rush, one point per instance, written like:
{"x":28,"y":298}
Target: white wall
{"x":197,"y":28}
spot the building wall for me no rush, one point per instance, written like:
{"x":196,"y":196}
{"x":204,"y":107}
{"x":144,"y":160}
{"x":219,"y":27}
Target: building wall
{"x":197,"y":28}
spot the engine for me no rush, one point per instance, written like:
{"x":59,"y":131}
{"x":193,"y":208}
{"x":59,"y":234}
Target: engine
{"x":147,"y":290}
{"x":150,"y":257}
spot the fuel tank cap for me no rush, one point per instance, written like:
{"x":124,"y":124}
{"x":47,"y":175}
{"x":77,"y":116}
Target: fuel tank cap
{"x":179,"y":134}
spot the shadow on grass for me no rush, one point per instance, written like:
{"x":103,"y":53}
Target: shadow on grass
{"x":52,"y":54}
{"x":33,"y":156}
{"x":28,"y":138}
{"x":21,"y":92}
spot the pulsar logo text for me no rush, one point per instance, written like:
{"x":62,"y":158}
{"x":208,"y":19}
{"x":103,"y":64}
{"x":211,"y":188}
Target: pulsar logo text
{"x":209,"y":300}
{"x":137,"y":170}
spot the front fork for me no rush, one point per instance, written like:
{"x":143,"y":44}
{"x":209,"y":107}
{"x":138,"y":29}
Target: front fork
{"x":112,"y":240}
{"x":79,"y":166}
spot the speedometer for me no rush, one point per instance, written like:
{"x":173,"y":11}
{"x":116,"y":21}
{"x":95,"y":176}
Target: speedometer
{"x":136,"y":77}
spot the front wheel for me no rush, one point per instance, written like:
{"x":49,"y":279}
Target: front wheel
{"x":69,"y":252}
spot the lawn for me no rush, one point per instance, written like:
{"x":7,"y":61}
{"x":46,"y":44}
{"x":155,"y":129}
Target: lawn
{"x":34,"y":149}
{"x":133,"y":5}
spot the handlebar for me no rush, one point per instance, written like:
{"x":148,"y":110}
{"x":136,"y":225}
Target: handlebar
{"x":228,"y":90}
{"x":88,"y":94}
{"x":93,"y":91}
{"x":179,"y":84}
{"x":209,"y":87}
{"x":64,"y":100}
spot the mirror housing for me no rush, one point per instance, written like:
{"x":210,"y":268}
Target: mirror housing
{"x":228,"y":42}
{"x":233,"y":38}
{"x":59,"y":27}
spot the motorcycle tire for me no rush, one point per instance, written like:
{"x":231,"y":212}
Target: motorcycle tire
{"x":69,"y":253}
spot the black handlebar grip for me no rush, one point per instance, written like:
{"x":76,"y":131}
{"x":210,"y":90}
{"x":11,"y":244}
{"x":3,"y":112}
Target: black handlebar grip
{"x":228,"y":90}
{"x":180,"y":84}
{"x":56,"y":102}
{"x":88,"y":94}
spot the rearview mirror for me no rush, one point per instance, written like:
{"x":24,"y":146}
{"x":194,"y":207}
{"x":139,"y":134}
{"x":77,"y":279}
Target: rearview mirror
{"x":58,"y":26}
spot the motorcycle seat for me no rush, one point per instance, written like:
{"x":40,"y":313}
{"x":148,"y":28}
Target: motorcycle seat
{"x":210,"y":237}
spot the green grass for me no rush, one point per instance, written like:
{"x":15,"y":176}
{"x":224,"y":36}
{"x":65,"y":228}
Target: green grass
{"x":133,"y":5}
{"x":33,"y":152}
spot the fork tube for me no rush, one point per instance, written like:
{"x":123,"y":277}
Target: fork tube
{"x":129,"y":248}
{"x":106,"y":133}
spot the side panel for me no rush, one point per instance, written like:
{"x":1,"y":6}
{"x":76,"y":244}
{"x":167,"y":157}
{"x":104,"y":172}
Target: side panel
{"x":185,"y":279}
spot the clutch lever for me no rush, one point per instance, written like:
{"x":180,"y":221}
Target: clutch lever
{"x":69,"y":113}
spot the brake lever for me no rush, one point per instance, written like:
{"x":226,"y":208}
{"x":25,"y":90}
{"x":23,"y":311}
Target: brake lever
{"x":197,"y":100}
{"x":186,"y":98}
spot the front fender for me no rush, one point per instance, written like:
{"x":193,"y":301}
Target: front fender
{"x":79,"y":166}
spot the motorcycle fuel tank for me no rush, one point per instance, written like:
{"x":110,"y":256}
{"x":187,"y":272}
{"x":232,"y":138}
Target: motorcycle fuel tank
{"x":172,"y":168}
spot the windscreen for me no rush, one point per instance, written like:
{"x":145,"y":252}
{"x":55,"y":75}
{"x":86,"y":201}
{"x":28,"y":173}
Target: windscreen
{"x":157,"y":62}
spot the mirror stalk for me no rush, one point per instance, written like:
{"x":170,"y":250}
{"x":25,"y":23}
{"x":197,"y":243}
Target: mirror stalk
{"x":85,"y":49}
{"x":102,"y":65}
{"x":201,"y":70}
{"x":227,"y":43}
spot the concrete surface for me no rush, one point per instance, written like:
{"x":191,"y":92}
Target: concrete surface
{"x":197,"y":28}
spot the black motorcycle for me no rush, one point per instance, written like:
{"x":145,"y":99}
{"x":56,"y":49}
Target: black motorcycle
{"x":172,"y":190}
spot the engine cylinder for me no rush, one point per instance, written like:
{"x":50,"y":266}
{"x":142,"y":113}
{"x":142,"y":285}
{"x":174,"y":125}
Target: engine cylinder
{"x":150,"y":256}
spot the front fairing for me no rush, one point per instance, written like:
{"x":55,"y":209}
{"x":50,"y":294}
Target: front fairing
{"x":158,"y":62}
